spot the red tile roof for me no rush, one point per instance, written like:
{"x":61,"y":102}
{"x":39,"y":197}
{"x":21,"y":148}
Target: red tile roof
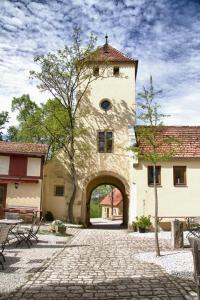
{"x":117,"y":198}
{"x":186,"y":141}
{"x":23,"y":148}
{"x":110,"y":54}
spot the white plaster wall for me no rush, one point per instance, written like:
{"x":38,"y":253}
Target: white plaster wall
{"x":4,"y":164}
{"x":27,"y":194}
{"x":34,"y":166}
{"x":173,"y":200}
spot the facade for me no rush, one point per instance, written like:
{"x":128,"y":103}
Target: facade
{"x":21,"y":174}
{"x":177,"y":178}
{"x":111,"y":100}
{"x":112,"y":205}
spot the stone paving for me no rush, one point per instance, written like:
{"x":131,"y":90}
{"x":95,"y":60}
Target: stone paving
{"x":101,"y":264}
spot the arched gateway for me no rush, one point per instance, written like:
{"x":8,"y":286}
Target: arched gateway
{"x":105,"y":178}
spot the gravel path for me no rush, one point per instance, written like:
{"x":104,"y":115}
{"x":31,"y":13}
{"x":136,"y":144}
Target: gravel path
{"x":177,"y":263}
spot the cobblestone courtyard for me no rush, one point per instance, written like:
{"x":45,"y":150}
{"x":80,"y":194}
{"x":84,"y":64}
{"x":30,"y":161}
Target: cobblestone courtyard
{"x":101,"y":264}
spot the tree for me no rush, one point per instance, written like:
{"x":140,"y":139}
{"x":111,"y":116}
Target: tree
{"x":40,"y":123}
{"x":67,"y":76}
{"x":151,"y":135}
{"x":3,"y":121}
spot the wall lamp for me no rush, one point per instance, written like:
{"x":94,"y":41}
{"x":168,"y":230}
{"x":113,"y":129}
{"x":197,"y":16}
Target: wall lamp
{"x":16,"y":185}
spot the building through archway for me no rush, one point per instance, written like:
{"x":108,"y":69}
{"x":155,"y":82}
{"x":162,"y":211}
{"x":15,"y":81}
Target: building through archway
{"x":109,"y":179}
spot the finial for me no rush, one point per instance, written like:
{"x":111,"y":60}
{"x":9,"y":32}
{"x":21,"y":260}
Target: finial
{"x":106,"y":44}
{"x":106,"y":37}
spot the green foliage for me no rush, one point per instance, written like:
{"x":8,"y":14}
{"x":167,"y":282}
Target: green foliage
{"x":49,"y":216}
{"x":3,"y":121}
{"x":45,"y":123}
{"x":101,"y":191}
{"x":143,"y":221}
{"x":151,"y":133}
{"x":95,"y":209}
{"x":57,"y":223}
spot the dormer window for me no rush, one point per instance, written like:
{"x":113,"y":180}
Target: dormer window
{"x":116,"y":71}
{"x":96,"y":71}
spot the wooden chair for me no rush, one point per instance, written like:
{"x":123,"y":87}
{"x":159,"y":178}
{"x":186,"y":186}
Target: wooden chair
{"x":4,"y":230}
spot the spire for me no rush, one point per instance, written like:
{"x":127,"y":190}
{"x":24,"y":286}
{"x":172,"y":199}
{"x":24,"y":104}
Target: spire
{"x":106,"y":44}
{"x":106,"y":37}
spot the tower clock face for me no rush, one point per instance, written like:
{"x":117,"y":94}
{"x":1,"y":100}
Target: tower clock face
{"x":105,"y":104}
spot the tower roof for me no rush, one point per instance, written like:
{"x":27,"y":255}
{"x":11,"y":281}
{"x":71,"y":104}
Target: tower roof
{"x":110,"y":54}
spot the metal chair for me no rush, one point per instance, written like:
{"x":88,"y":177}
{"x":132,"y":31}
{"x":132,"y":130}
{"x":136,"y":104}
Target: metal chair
{"x":25,"y":234}
{"x":194,"y":227}
{"x":36,"y":230}
{"x":4,"y":230}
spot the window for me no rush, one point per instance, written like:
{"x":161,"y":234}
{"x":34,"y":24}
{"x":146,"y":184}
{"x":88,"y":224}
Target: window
{"x":105,"y":104}
{"x":59,"y":190}
{"x":150,"y":175}
{"x":96,"y":71}
{"x":116,"y":71}
{"x":105,"y":141}
{"x":18,"y":166}
{"x":179,"y":175}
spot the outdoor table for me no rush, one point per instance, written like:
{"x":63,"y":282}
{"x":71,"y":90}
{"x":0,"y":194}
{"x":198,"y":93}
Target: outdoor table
{"x":13,"y":224}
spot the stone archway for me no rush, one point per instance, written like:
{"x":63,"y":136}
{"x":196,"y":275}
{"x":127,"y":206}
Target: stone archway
{"x":106,"y":178}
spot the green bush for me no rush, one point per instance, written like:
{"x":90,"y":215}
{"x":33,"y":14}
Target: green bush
{"x":49,"y":216}
{"x":143,"y":221}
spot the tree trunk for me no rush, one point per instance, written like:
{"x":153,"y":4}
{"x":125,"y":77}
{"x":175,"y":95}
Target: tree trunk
{"x":156,"y":212}
{"x":71,"y":204}
{"x":111,"y":202}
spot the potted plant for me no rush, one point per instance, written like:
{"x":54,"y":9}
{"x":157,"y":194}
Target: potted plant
{"x":58,"y":226}
{"x":143,"y":222}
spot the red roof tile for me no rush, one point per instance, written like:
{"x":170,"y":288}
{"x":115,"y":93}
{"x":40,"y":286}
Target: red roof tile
{"x":108,"y":53}
{"x":186,"y":141}
{"x":117,"y":198}
{"x":23,"y":148}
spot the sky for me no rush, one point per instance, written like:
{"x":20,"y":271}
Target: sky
{"x":164,"y":35}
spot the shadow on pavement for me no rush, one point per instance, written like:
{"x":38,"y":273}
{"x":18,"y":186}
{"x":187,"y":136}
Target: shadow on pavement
{"x":145,"y":287}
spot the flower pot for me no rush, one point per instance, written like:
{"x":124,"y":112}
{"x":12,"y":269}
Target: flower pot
{"x":61,"y":229}
{"x":142,"y":230}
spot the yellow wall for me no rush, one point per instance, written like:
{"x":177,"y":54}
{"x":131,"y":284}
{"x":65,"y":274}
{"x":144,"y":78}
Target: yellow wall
{"x":173,"y":200}
{"x":121,"y":92}
{"x":27,"y":194}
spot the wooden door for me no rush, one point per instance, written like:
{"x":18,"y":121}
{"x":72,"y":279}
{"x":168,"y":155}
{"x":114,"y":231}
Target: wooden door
{"x":3,"y":188}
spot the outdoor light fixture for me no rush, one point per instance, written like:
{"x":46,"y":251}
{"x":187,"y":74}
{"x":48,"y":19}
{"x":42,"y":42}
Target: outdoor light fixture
{"x":16,"y":185}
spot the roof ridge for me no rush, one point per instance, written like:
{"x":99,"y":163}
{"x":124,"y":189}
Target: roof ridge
{"x":125,"y":55}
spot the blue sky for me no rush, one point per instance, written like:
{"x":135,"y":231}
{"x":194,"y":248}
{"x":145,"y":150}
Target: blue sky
{"x":164,"y":35}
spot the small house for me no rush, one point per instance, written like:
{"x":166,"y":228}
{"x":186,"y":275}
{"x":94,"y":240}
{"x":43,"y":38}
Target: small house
{"x":112,"y":205}
{"x":21,"y":175}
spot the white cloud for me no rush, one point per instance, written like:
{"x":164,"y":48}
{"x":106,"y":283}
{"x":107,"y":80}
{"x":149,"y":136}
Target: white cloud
{"x":163,"y":35}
